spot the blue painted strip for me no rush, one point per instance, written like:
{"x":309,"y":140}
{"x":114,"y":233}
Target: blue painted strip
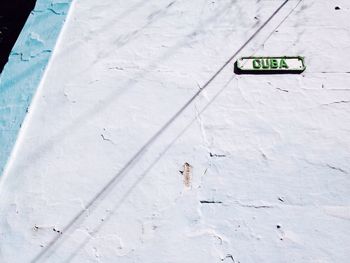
{"x":24,"y":70}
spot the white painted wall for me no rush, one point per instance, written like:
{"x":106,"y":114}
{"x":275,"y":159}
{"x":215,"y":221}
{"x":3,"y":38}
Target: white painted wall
{"x":268,"y":155}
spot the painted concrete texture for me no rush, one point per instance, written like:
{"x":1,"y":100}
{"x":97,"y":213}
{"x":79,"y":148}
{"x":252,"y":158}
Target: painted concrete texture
{"x":23,"y":72}
{"x":130,"y":155}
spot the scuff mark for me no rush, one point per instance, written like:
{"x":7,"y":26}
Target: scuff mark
{"x":53,"y":11}
{"x":264,"y":156}
{"x":170,"y":4}
{"x":337,"y":169}
{"x":210,"y":202}
{"x":58,"y":8}
{"x":216,"y":155}
{"x":337,"y":102}
{"x":327,"y":165}
{"x":117,"y":68}
{"x":26,"y":58}
{"x":284,"y":90}
{"x":105,"y":138}
{"x":256,"y":206}
{"x":67,"y":97}
{"x":230,"y":257}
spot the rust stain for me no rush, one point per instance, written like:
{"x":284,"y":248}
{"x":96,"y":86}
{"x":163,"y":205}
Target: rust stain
{"x":187,"y":174}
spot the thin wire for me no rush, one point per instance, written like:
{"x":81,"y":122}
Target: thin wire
{"x":279,"y":25}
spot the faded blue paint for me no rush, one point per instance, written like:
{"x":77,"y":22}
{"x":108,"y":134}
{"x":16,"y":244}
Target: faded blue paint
{"x":27,"y":62}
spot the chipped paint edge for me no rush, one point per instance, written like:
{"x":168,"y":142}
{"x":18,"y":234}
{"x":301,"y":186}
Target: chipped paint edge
{"x":25,"y":69}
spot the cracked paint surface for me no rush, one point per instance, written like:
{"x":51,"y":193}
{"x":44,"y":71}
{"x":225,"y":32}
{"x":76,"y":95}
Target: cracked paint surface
{"x":23,"y":72}
{"x":254,"y":169}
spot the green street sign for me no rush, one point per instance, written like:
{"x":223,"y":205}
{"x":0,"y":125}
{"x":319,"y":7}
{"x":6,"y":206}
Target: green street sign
{"x":270,"y":65}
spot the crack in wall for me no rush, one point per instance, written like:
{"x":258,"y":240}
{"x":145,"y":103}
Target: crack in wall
{"x":337,"y":168}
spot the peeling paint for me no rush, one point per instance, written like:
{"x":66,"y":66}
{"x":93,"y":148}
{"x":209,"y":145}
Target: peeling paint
{"x":24,"y":70}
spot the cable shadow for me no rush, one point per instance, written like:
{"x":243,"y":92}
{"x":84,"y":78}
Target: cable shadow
{"x":128,"y":37}
{"x":109,"y":186}
{"x":143,"y":175}
{"x":106,"y":27}
{"x":46,"y":146}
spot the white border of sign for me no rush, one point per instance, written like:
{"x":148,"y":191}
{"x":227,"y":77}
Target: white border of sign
{"x":277,"y":65}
